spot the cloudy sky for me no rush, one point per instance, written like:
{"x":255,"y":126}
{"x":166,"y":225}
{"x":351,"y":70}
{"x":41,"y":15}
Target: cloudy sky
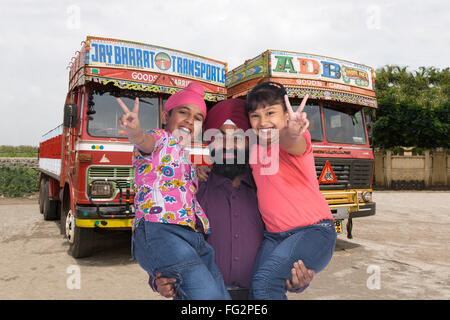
{"x":38,"y":38}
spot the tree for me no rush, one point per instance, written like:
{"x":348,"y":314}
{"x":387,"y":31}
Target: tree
{"x":413,"y":107}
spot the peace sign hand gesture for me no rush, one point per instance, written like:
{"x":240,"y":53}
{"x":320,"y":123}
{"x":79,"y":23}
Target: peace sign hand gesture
{"x":129,"y":121}
{"x":298,"y":123}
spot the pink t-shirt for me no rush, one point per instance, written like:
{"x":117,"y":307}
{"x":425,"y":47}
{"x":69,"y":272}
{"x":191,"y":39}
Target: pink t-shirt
{"x":166,"y":184}
{"x":290,"y":197}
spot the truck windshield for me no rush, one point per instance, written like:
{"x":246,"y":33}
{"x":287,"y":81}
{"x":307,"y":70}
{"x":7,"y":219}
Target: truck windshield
{"x":104,"y":111}
{"x":315,"y":122}
{"x":344,"y":125}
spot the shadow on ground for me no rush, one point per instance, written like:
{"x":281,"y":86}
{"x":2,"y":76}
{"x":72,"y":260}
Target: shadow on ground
{"x":342,"y":245}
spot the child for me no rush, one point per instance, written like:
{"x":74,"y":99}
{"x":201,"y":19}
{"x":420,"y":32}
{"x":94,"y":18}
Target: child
{"x":169,"y":227}
{"x":299,"y":224}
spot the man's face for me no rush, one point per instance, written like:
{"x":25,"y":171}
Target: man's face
{"x":229,"y":151}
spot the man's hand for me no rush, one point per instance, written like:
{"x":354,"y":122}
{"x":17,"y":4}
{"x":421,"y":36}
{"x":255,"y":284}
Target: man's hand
{"x":165,"y":286}
{"x":203,"y":172}
{"x":300,"y":276}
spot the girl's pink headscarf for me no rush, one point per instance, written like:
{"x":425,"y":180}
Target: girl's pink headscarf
{"x":192,"y":94}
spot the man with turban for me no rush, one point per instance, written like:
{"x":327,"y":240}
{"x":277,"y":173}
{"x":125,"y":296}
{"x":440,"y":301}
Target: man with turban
{"x":228,"y":197}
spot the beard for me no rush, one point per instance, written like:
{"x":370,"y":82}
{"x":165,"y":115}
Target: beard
{"x":230,"y":170}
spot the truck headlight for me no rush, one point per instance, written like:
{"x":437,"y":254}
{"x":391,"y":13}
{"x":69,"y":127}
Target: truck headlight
{"x":101,"y":189}
{"x":366,"y":195}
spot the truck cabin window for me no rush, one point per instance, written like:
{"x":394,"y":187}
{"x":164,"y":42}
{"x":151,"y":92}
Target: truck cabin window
{"x":104,"y":111}
{"x":312,"y":110}
{"x":344,"y":124}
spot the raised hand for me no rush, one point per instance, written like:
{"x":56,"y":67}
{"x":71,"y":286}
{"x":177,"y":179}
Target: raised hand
{"x":129,"y":121}
{"x":298,"y":123}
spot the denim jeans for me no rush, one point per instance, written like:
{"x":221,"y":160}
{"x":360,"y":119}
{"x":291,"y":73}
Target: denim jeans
{"x":313,"y":244}
{"x":181,"y":253}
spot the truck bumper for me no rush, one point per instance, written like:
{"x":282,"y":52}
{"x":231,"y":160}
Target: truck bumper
{"x":109,"y":217}
{"x":364,"y":211}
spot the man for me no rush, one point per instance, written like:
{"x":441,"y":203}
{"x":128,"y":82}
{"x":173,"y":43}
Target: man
{"x":228,"y":196}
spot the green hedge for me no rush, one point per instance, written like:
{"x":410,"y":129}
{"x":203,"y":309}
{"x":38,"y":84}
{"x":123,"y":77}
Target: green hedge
{"x":410,"y":125}
{"x":18,"y":151}
{"x":18,"y":181}
{"x":413,"y":108}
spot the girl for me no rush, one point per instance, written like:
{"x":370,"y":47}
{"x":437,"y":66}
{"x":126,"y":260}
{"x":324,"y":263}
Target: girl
{"x":299,"y":224}
{"x":169,"y":226}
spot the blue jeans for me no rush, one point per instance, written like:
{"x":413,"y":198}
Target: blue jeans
{"x":181,"y":253}
{"x":313,"y":244}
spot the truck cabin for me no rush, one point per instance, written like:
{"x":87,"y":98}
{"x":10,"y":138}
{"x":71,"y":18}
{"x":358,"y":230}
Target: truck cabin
{"x":103,"y":111}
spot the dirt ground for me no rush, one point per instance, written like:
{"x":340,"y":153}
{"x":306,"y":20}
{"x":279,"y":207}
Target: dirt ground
{"x":400,"y":253}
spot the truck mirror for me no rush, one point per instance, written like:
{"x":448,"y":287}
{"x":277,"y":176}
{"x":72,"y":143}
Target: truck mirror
{"x":70,"y":115}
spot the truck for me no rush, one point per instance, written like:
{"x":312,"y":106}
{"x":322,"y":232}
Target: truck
{"x":341,"y":99}
{"x":86,"y":175}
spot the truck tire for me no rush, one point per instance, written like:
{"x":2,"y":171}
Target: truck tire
{"x":41,"y":195}
{"x":81,"y":240}
{"x":49,"y":207}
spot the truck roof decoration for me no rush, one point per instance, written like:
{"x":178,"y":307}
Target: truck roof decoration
{"x":145,"y":67}
{"x":321,"y":77}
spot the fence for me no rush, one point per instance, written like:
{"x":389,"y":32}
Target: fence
{"x":20,"y":162}
{"x":408,"y":170}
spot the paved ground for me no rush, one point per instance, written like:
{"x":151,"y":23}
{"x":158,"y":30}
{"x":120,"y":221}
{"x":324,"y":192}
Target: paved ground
{"x":400,"y":253}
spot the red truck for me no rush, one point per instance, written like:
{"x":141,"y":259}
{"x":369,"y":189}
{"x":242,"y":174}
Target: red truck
{"x":340,"y":92}
{"x":86,"y":176}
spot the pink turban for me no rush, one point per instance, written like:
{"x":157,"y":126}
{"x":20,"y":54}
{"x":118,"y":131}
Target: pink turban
{"x":192,"y":94}
{"x":231,"y":109}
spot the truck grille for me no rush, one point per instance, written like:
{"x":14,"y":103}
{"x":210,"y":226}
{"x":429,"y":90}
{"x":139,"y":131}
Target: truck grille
{"x":119,"y":174}
{"x":350,"y":173}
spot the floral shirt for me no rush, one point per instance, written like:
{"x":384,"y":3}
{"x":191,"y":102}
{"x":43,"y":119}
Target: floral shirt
{"x":166,"y":184}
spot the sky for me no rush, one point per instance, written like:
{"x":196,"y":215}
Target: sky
{"x":38,"y":39}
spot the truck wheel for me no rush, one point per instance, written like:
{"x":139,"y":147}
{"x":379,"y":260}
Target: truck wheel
{"x":49,"y":207}
{"x":81,"y":240}
{"x":41,"y":195}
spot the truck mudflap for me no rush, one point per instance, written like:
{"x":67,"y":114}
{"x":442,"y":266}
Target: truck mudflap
{"x":363,"y":211}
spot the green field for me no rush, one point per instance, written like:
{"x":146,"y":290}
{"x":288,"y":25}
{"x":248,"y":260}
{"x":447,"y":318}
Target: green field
{"x":19,"y":151}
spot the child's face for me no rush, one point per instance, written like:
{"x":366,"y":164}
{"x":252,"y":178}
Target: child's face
{"x":265,"y":119}
{"x":185,"y":121}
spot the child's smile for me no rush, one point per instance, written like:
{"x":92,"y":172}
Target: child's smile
{"x":266,"y":120}
{"x":184,"y":121}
